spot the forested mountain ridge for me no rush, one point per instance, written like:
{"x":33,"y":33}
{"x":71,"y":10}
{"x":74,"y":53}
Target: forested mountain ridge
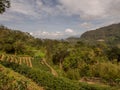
{"x":109,"y":34}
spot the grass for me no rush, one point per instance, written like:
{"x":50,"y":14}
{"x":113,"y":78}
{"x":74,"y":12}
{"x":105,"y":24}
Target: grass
{"x":37,"y":64}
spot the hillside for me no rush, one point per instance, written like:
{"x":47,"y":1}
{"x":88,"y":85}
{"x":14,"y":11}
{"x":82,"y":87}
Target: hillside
{"x":57,"y":64}
{"x":109,"y":34}
{"x":17,"y":42}
{"x":89,"y":62}
{"x":10,"y":80}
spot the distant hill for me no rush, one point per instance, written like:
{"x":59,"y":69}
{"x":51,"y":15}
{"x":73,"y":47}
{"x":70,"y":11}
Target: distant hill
{"x":108,"y":34}
{"x":72,"y":39}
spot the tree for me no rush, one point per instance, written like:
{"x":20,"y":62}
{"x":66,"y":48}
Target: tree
{"x":4,"y":4}
{"x":19,"y":47}
{"x":114,"y":53}
{"x":8,"y":48}
{"x":59,"y":55}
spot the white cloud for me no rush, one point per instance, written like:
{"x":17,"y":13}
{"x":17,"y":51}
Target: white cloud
{"x":35,"y":8}
{"x":32,"y":9}
{"x":22,"y":7}
{"x":88,"y":10}
{"x":83,"y":8}
{"x":55,"y":34}
{"x":19,"y":10}
{"x":69,"y":30}
{"x":92,"y":13}
{"x":46,"y":34}
{"x":92,"y":9}
{"x":31,"y":33}
{"x":87,"y":25}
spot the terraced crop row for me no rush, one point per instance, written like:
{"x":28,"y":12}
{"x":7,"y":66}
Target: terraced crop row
{"x":26,"y":60}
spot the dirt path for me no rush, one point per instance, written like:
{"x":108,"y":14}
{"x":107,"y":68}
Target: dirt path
{"x":27,"y":63}
{"x":52,"y":70}
{"x":30,"y":62}
{"x":93,"y":81}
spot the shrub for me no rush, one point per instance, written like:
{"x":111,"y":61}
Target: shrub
{"x":9,"y":83}
{"x":108,"y":71}
{"x":48,"y":81}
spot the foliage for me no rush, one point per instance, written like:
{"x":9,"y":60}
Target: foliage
{"x":4,"y":4}
{"x":108,"y":34}
{"x":75,"y":60}
{"x":50,"y":82}
{"x":108,"y":71}
{"x":37,"y":64}
{"x":17,"y":42}
{"x":114,"y":53}
{"x":9,"y":83}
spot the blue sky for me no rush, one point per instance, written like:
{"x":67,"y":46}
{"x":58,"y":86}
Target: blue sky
{"x":57,"y":19}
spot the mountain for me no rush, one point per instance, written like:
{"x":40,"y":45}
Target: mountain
{"x":72,"y":39}
{"x":109,"y":34}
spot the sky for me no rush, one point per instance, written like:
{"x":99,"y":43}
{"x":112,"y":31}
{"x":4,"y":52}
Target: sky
{"x":58,"y":19}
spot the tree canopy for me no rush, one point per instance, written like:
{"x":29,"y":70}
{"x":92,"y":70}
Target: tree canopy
{"x":4,"y":4}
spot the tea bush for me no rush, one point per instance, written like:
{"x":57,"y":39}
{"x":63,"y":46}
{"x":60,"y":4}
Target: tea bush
{"x":48,"y":81}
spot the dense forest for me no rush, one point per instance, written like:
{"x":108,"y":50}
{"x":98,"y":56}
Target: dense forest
{"x":60,"y":64}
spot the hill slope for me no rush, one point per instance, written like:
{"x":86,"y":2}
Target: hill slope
{"x":71,"y":62}
{"x":109,"y":34}
{"x":13,"y":80}
{"x":18,"y":42}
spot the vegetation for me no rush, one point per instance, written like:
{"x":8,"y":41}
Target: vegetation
{"x":10,"y":80}
{"x":4,"y":4}
{"x":26,"y":60}
{"x":50,"y":82}
{"x":17,"y":42}
{"x":76,"y":63}
{"x":94,"y":58}
{"x":109,"y":34}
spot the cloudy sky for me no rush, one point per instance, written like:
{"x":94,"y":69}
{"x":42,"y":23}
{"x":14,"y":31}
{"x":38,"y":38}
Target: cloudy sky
{"x":60,"y":18}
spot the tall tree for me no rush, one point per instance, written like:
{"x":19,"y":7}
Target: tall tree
{"x":114,"y":53}
{"x":4,"y":4}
